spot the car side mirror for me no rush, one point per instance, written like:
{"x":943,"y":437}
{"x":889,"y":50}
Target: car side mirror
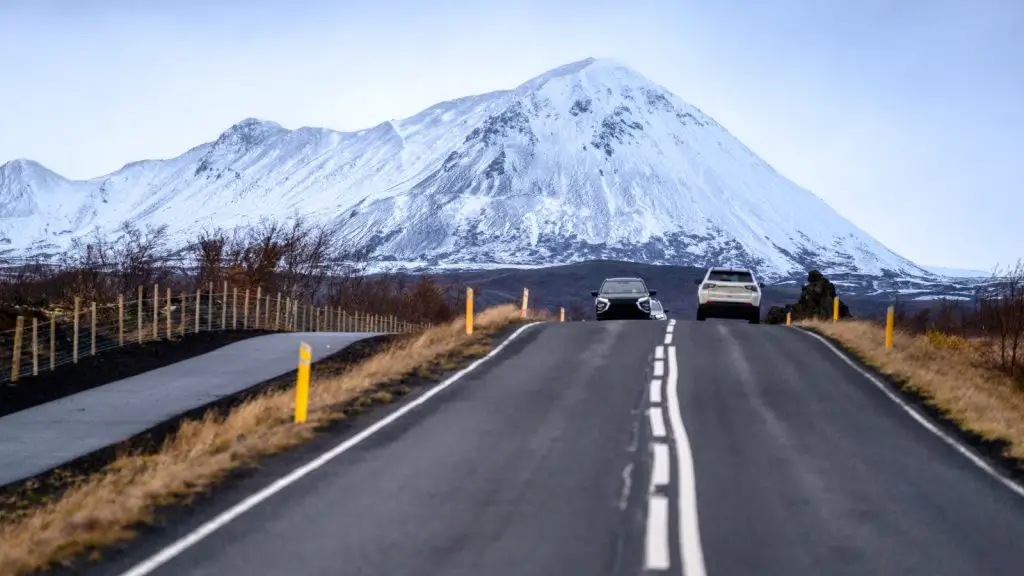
{"x":652,"y":292}
{"x":698,"y":281}
{"x":594,"y":293}
{"x":665,"y":310}
{"x":760,"y":284}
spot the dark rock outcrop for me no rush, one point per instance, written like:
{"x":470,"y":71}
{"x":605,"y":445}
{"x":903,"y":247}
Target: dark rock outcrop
{"x":777,"y":314}
{"x":815,"y":301}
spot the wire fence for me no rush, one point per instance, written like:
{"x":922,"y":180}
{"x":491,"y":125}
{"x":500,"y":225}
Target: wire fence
{"x":44,"y":341}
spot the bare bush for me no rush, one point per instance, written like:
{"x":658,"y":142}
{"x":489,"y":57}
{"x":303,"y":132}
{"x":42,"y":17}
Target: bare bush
{"x":96,"y":268}
{"x":417,"y":300}
{"x":296,"y":259}
{"x":1001,"y":312}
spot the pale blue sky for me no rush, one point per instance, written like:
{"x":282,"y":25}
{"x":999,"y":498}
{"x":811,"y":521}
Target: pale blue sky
{"x":905,"y":115}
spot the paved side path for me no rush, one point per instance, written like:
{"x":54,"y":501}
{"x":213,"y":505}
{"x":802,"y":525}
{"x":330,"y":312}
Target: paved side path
{"x":46,"y":436}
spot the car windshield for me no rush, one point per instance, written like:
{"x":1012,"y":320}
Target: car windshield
{"x":730,"y":276}
{"x":656,"y":306}
{"x":623,"y":287}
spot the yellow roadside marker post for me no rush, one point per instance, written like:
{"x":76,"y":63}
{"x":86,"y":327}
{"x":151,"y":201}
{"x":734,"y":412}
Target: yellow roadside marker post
{"x":561,"y":314}
{"x":789,"y":318}
{"x":835,"y":309}
{"x":890,"y":321}
{"x":302,"y":385}
{"x":469,"y":311}
{"x":526,"y":300}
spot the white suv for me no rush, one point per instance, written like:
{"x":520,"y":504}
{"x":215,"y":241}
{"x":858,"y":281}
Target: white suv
{"x":729,"y":293}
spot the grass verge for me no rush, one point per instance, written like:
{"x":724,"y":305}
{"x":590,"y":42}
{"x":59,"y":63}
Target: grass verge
{"x":950,"y":377}
{"x":106,"y":508}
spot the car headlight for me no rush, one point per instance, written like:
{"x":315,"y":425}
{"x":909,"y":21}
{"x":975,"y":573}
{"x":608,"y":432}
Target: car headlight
{"x":601,"y":304}
{"x":644,"y":304}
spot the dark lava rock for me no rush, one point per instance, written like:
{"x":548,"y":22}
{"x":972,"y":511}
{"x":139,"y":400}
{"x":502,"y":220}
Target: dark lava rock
{"x":816,"y":299}
{"x":815,"y":302}
{"x":777,"y":314}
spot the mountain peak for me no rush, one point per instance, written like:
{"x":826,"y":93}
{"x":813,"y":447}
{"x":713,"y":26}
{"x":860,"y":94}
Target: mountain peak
{"x":250,"y":131}
{"x":589,"y":160}
{"x":23,"y":168}
{"x":594,"y":69}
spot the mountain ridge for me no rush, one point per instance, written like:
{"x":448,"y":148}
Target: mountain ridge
{"x":587,"y":160}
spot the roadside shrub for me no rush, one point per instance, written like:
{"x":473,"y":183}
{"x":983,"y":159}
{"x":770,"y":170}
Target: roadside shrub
{"x":948,"y":341}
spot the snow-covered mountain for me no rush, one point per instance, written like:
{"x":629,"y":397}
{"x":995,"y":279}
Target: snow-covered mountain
{"x":590,"y":160}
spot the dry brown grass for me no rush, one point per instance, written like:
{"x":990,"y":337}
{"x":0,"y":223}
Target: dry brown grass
{"x":957,"y":376}
{"x":103,"y":509}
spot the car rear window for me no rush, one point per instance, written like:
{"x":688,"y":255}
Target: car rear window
{"x":730,"y":276}
{"x":623,"y":287}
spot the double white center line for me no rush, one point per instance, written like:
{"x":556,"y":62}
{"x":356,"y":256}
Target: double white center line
{"x":657,"y":548}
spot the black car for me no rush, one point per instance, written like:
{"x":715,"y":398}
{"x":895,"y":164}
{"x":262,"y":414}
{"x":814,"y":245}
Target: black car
{"x":623,"y":299}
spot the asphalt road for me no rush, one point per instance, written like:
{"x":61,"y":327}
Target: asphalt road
{"x":626,"y":448}
{"x":45,"y":436}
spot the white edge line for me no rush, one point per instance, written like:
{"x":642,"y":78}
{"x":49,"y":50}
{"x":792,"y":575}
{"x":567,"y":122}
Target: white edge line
{"x":656,"y":391}
{"x":657,"y":418}
{"x":921,"y":419}
{"x":178,"y":546}
{"x":659,"y":352}
{"x":668,"y":338}
{"x":692,"y":555}
{"x":670,"y":328}
{"x":656,"y":548}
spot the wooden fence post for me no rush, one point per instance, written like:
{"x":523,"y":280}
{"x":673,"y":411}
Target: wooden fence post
{"x":139,"y":335}
{"x":224,"y":308}
{"x":256,"y":317}
{"x":266,"y":313}
{"x":344,"y":319}
{"x":35,"y":346}
{"x":277,"y":313}
{"x":92,"y":329}
{"x":156,"y":311}
{"x":74,"y":344}
{"x":19,"y":325}
{"x":120,"y":319}
{"x":245,"y":311}
{"x":209,"y":313}
{"x":234,"y":310}
{"x":169,"y":323}
{"x":199,"y":306}
{"x":53,"y":341}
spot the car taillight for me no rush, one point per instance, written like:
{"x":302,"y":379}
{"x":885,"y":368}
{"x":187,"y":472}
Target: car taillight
{"x":751,"y":287}
{"x":709,"y":286}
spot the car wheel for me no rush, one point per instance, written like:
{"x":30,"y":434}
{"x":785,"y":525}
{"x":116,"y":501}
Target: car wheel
{"x":700,"y":316}
{"x":755,"y":319}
